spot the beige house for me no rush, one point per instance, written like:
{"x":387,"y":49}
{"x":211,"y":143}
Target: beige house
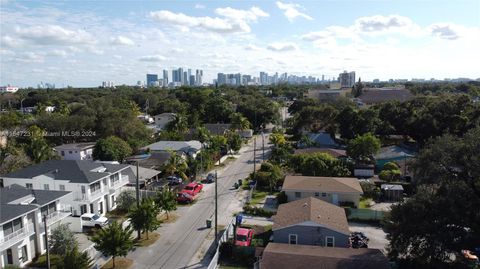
{"x":334,"y":190}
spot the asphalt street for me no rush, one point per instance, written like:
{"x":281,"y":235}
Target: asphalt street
{"x":179,"y":241}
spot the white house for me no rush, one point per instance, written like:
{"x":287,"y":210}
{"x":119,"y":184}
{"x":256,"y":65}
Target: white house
{"x":22,"y":230}
{"x":163,"y":119}
{"x":183,"y":148}
{"x":94,"y":186}
{"x":10,"y":89}
{"x":76,"y":151}
{"x":334,"y":190}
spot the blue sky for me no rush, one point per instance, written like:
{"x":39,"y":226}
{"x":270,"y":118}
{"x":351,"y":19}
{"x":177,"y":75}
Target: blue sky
{"x":82,"y":43}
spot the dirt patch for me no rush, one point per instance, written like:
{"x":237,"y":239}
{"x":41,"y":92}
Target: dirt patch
{"x":120,"y":263}
{"x":172,"y":217}
{"x":152,"y":238}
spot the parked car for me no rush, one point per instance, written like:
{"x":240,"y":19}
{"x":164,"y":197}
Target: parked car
{"x":173,"y":180}
{"x":210,"y":178}
{"x":193,"y":188}
{"x":244,"y":237}
{"x":93,"y":220}
{"x":184,"y":197}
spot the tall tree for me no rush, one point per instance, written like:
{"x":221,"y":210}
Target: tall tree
{"x":111,"y":148}
{"x":239,"y":122}
{"x":429,"y":229}
{"x":73,"y":258}
{"x":113,"y":241}
{"x":165,"y":200}
{"x":62,"y":240}
{"x":363,"y":147}
{"x":144,"y":216}
{"x":176,"y":165}
{"x":37,"y":147}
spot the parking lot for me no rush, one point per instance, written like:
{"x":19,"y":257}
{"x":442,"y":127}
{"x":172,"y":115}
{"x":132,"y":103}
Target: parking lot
{"x":378,"y":238}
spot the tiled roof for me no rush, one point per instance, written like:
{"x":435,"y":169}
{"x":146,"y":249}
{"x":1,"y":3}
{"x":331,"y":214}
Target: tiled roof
{"x":311,"y":209}
{"x":289,"y":256}
{"x":322,"y":184}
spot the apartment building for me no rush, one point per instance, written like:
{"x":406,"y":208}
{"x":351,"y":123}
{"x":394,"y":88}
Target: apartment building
{"x":94,"y":185}
{"x":22,"y":230}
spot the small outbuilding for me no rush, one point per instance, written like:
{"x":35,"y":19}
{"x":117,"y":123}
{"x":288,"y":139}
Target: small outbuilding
{"x":392,"y":192}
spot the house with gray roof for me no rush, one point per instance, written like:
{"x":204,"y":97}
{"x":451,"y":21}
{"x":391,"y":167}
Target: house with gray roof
{"x":311,"y":221}
{"x":21,"y":221}
{"x":190,"y":148}
{"x":94,"y":185}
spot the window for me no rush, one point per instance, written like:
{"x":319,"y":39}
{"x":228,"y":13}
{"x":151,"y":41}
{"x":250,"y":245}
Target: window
{"x":23,"y":254}
{"x":69,"y":152}
{"x":85,"y":218}
{"x":46,"y":187}
{"x":324,"y":194}
{"x":100,"y":207}
{"x":83,"y":209}
{"x":298,"y":195}
{"x":91,"y":208}
{"x":62,"y":187}
{"x":113,"y":201}
{"x":329,"y":241}
{"x":63,"y":153}
{"x":317,"y":194}
{"x":29,"y":186}
{"x":292,"y":239}
{"x":95,"y":187}
{"x":114,"y":178}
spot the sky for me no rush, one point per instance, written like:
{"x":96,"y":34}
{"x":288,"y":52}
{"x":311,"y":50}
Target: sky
{"x":82,"y":43}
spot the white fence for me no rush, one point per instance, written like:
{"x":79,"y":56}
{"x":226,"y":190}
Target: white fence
{"x":228,"y":233}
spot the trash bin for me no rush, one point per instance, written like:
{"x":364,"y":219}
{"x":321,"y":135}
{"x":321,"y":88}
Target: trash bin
{"x":209,"y":223}
{"x":240,"y":182}
{"x":236,"y":185}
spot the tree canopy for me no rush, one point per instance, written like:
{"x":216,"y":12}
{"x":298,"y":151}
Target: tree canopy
{"x":111,"y":148}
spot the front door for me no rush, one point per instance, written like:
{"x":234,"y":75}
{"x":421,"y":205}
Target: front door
{"x":335,"y":199}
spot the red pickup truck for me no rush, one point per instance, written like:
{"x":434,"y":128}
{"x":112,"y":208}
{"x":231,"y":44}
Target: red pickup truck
{"x":187,"y":195}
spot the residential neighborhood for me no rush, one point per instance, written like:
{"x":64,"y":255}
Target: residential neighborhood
{"x":239,"y":134}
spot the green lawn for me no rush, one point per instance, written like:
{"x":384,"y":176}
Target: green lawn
{"x":258,"y":197}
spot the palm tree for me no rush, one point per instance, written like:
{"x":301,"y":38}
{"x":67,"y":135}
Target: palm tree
{"x":113,"y":241}
{"x":178,"y":124}
{"x":239,"y":122}
{"x":176,"y":165}
{"x":144,"y":217}
{"x":165,"y":200}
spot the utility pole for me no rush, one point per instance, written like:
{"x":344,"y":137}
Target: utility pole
{"x":216,"y":209}
{"x":46,"y":240}
{"x":263,"y":146}
{"x":137,"y":192}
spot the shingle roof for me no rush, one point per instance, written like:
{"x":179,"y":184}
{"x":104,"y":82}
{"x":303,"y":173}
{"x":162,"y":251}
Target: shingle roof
{"x":76,"y":146}
{"x":334,"y":152}
{"x":322,"y":184}
{"x":10,"y":207}
{"x":311,"y":209}
{"x":373,"y":96}
{"x":217,"y":128}
{"x":278,"y":255}
{"x":70,"y":170}
{"x":185,"y":146}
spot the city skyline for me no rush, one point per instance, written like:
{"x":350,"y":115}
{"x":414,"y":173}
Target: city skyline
{"x":67,"y":43}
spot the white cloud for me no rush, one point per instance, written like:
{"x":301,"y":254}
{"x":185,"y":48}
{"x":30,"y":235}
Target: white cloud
{"x":319,"y":35}
{"x":57,"y":53}
{"x":122,"y":41}
{"x":445,"y":31}
{"x":277,"y":46}
{"x":48,"y":35}
{"x":252,"y":47}
{"x":380,"y":23}
{"x":29,"y":57}
{"x":232,"y":21}
{"x":199,"y":6}
{"x":152,"y":58}
{"x":291,"y":11}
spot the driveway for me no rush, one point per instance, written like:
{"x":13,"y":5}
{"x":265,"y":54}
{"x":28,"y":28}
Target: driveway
{"x":378,"y":238}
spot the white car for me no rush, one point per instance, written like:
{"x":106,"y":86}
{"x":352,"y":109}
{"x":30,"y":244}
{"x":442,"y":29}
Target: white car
{"x":93,"y":220}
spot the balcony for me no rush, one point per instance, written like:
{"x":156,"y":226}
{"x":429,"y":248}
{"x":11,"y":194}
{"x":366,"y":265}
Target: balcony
{"x":15,"y":237}
{"x":58,"y":215}
{"x":116,"y":184}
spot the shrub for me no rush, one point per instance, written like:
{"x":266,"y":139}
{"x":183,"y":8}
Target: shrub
{"x":282,"y":198}
{"x":256,"y":211}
